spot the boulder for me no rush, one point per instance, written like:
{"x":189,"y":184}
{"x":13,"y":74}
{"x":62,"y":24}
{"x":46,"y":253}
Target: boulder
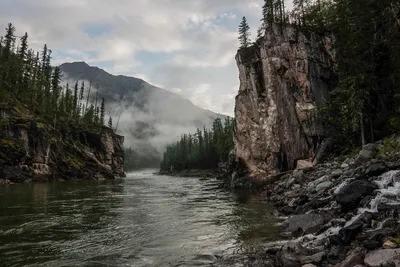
{"x":308,"y":223}
{"x":349,"y":233}
{"x":350,"y":195}
{"x":355,"y":257}
{"x":381,"y":257}
{"x":376,"y":169}
{"x":304,"y":165}
{"x":380,"y":234}
{"x":314,"y":258}
{"x":389,"y":245}
{"x":309,"y":265}
{"x":336,"y":173}
{"x":323,"y":186}
{"x":371,"y":244}
{"x":368,"y":152}
{"x":287,"y":256}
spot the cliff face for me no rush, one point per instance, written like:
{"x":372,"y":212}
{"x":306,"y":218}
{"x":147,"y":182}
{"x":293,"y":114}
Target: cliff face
{"x":283,"y":78}
{"x":32,"y":151}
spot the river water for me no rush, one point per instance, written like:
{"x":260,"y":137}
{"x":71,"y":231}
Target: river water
{"x":141,"y":220}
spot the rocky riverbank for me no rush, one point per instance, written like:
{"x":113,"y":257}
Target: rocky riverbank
{"x":341,"y":213}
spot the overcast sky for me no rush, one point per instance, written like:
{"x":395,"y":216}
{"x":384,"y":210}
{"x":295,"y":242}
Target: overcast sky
{"x":185,"y":46}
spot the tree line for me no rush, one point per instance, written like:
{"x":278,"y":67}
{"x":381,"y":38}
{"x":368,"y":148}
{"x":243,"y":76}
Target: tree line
{"x":201,"y":150}
{"x":28,"y":81}
{"x":366,"y":104}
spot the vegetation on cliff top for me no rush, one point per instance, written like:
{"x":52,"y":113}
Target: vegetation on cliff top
{"x":30,"y":87}
{"x":365,"y":105}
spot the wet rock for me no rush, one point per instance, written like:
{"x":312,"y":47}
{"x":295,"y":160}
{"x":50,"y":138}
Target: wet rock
{"x":344,"y":165}
{"x":380,"y":234}
{"x":336,"y":173}
{"x":390,"y":223}
{"x":323,"y":186}
{"x":273,"y":250}
{"x":371,"y":244}
{"x":365,"y":219}
{"x":350,"y":195}
{"x":381,"y":257}
{"x":315,"y":258}
{"x":349,"y":233}
{"x":308,"y":223}
{"x":287,"y":256}
{"x":355,"y":257}
{"x":376,"y":169}
{"x":309,"y":265}
{"x":389,"y":245}
{"x":349,"y":173}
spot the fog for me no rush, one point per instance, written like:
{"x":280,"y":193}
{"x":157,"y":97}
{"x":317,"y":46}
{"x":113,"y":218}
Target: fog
{"x":149,"y":118}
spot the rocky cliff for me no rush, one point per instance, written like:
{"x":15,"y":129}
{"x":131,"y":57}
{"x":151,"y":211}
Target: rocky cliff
{"x":35,"y":151}
{"x":283,"y":78}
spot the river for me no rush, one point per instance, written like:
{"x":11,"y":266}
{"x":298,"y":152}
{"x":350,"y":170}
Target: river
{"x":141,"y":220}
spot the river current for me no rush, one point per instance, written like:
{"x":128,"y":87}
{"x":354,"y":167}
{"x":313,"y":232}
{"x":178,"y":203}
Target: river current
{"x":141,"y":220}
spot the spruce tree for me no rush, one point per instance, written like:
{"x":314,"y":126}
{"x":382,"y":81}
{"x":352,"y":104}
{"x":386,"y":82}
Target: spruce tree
{"x":110,"y":122}
{"x":23,"y":49}
{"x":244,"y":33}
{"x":102,"y":112}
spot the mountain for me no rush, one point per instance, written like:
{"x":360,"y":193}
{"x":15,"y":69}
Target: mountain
{"x":149,"y":117}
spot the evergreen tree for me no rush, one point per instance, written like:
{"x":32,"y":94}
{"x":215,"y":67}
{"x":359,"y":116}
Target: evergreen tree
{"x":110,"y":122}
{"x":102,"y":112}
{"x":244,"y":33}
{"x":23,"y":49}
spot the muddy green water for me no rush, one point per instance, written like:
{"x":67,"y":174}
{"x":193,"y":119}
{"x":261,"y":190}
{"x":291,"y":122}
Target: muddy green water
{"x":142,"y":220}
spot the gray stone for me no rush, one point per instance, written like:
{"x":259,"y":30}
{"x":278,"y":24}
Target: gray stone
{"x":381,"y":257}
{"x":336,"y":173}
{"x":350,"y":196}
{"x":315,"y":258}
{"x":355,"y":257}
{"x":368,"y":152}
{"x":323,"y":186}
{"x":376,"y":169}
{"x":308,"y":223}
{"x":309,"y":265}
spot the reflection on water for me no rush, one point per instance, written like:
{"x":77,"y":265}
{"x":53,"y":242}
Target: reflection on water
{"x":143,"y":220}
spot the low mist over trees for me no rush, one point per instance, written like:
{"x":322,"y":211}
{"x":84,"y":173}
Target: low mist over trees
{"x":201,"y":150}
{"x":30,"y":84}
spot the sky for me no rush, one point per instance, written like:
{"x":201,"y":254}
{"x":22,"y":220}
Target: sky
{"x":185,"y":46}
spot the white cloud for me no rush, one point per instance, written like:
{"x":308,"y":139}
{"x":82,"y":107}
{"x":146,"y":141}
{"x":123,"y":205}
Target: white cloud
{"x":197,"y":36}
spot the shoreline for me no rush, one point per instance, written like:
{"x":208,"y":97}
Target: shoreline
{"x":339,"y":213}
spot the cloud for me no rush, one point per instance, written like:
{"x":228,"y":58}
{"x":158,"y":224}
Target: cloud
{"x":196,"y":40}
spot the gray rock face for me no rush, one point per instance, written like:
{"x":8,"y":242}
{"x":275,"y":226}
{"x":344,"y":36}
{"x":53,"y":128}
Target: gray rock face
{"x":381,"y":257}
{"x":282,"y":80}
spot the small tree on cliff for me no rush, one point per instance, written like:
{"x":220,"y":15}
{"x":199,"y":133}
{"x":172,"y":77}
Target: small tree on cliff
{"x":244,"y":33}
{"x":110,"y":122}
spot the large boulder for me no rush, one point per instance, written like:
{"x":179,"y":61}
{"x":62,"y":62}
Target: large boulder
{"x":307,"y":223}
{"x":381,"y":257}
{"x":376,"y":169}
{"x":350,"y":196}
{"x":368,"y":152}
